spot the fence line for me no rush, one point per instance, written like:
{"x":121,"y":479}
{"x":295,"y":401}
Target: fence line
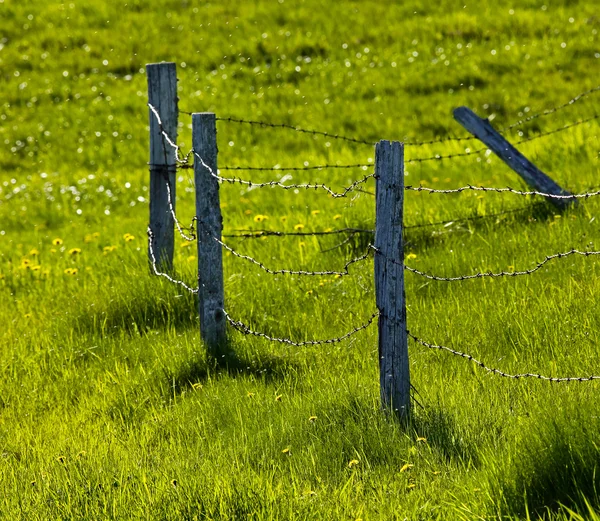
{"x":388,"y":249}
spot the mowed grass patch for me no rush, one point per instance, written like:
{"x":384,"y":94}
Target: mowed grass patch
{"x":109,"y":405}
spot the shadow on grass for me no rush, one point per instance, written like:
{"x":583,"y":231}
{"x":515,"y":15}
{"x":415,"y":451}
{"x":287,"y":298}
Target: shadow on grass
{"x":138,"y":313}
{"x":267,"y":368}
{"x":441,"y":432}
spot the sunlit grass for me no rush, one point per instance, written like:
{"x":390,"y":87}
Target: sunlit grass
{"x":109,"y":408}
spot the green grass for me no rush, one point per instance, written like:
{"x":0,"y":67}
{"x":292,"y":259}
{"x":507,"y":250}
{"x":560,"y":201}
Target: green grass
{"x":109,"y":408}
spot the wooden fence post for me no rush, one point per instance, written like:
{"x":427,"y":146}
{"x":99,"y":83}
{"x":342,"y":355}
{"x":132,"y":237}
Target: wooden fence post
{"x":389,"y":278}
{"x":162,"y":95}
{"x":483,"y":130}
{"x":211,"y":299}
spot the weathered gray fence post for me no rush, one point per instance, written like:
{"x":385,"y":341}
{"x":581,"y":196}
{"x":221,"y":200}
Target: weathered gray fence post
{"x":162,"y":95}
{"x":483,"y":130}
{"x":389,"y":278}
{"x":211,"y":299}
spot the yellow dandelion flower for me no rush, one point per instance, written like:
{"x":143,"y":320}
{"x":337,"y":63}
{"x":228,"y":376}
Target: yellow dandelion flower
{"x":337,"y":216}
{"x":250,"y":394}
{"x":74,"y":251}
{"x":25,"y":262}
{"x":260,"y":218}
{"x":337,"y":276}
{"x":315,"y":212}
{"x":108,"y":249}
{"x":411,"y":256}
{"x":298,"y":226}
{"x":447,"y":180}
{"x":278,"y":398}
{"x":301,"y":244}
{"x":57,"y":242}
{"x":88,"y":238}
{"x":353,"y":463}
{"x":321,"y":284}
{"x":328,"y":229}
{"x":52,"y":250}
{"x":244,"y":200}
{"x":88,"y":268}
{"x":34,"y":252}
{"x":312,"y":419}
{"x":248,"y":212}
{"x":71,"y":271}
{"x":309,"y":292}
{"x":283,"y":218}
{"x":37,"y":267}
{"x":61,"y":459}
{"x":406,"y":466}
{"x":81,"y":454}
{"x":27,"y":315}
{"x":286,"y":451}
{"x":95,"y":235}
{"x":436,"y":472}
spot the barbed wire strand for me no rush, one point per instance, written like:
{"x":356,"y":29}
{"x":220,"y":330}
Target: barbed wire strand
{"x":406,"y":143}
{"x":538,"y":266}
{"x":192,"y":236}
{"x":552,"y":110}
{"x":255,"y":234}
{"x":175,"y":146}
{"x":293,"y":168}
{"x":279,"y":184}
{"x":160,"y":273}
{"x":584,"y":195}
{"x":246,"y":330}
{"x":498,"y":371}
{"x":293,"y":272}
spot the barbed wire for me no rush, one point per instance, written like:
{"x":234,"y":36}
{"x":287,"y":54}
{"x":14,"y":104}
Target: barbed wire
{"x":160,"y":273}
{"x":294,"y":168}
{"x":279,"y":184}
{"x":192,"y":236}
{"x":246,"y":330}
{"x":178,"y":159}
{"x":538,"y":266}
{"x":498,"y":371}
{"x":552,"y":110}
{"x":559,"y":129}
{"x":292,"y":272}
{"x":409,"y":143}
{"x":255,"y":234}
{"x":584,"y":195}
{"x":439,"y":157}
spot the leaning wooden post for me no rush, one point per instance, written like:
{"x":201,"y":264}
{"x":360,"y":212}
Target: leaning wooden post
{"x":389,"y":278}
{"x":162,"y":95}
{"x":483,"y":130}
{"x":211,"y":301}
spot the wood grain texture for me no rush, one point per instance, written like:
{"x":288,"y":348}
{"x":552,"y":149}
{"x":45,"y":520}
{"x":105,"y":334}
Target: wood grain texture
{"x":389,"y":278}
{"x":162,"y":95}
{"x":211,"y":301}
{"x":532,"y":175}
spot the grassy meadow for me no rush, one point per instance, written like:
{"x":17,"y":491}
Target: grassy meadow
{"x":109,"y":407}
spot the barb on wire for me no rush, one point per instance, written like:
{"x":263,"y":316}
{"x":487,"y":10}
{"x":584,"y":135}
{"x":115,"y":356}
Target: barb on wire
{"x":160,"y":273}
{"x":243,"y":328}
{"x":254,"y":234}
{"x":584,"y":195}
{"x":178,"y":159}
{"x":552,"y":110}
{"x":295,"y":272}
{"x":306,"y":186}
{"x":192,"y":236}
{"x":498,"y":371}
{"x":292,"y":168}
{"x":538,"y":266}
